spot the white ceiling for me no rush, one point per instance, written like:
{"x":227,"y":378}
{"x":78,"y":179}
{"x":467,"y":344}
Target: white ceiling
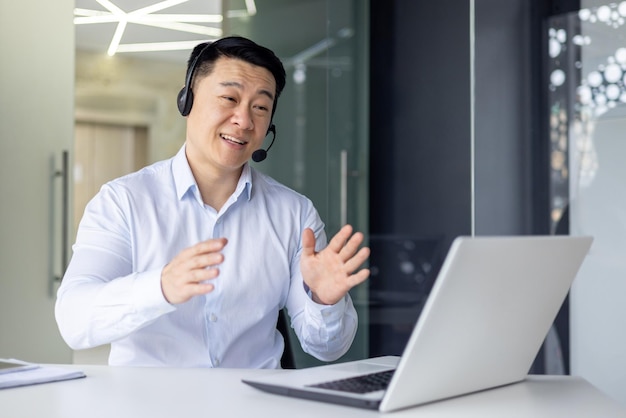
{"x":98,"y":36}
{"x":297,"y":31}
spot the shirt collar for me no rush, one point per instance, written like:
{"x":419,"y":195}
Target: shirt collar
{"x":183,"y":177}
{"x":245,"y":181}
{"x":184,"y":180}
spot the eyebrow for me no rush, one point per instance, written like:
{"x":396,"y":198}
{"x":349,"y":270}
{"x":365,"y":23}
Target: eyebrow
{"x":240,"y":86}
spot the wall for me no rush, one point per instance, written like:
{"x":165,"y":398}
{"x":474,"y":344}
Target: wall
{"x":443,"y":155}
{"x":598,"y":208}
{"x":456,"y":138}
{"x":36,"y":125}
{"x":598,"y":315}
{"x":135,"y":92}
{"x":420,"y":178}
{"x":503,"y":122}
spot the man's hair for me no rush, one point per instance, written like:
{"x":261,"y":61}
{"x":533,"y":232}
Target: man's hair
{"x":204,"y":56}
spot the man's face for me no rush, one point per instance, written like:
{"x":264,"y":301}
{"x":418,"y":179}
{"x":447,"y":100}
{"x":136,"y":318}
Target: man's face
{"x":231,"y":112}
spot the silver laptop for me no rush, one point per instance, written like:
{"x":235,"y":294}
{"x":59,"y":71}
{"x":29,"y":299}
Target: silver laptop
{"x":482,"y":326}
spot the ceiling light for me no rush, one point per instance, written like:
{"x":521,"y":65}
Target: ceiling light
{"x":202,"y":24}
{"x":159,"y":46}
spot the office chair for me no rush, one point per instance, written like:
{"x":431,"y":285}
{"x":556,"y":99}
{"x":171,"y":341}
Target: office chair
{"x":287,"y":361}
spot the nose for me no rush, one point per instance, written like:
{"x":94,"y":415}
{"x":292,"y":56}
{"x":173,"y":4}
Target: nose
{"x":243,"y":118}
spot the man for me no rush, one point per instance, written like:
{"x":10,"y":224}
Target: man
{"x":187,"y":262}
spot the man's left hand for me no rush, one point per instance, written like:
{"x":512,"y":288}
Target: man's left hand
{"x":332,"y":272}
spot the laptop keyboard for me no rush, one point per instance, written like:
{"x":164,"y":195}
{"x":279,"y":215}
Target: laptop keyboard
{"x":360,"y":384}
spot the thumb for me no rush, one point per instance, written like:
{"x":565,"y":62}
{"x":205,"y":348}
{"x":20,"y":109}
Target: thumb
{"x":308,"y":242}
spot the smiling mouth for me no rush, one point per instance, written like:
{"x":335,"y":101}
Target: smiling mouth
{"x":233,"y":140}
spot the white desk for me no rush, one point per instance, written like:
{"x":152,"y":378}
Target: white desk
{"x":113,"y":392}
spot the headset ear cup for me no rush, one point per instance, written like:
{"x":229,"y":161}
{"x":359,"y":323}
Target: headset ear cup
{"x":185,"y":101}
{"x":180,"y":100}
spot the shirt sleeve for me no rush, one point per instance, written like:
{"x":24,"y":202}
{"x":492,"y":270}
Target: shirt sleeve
{"x":100,"y":298}
{"x":325,"y":331}
{"x":328,"y":330}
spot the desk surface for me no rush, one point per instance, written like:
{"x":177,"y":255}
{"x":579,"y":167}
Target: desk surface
{"x":122,"y":392}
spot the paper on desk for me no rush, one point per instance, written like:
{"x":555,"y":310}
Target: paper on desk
{"x":13,"y":365}
{"x":37,"y":374}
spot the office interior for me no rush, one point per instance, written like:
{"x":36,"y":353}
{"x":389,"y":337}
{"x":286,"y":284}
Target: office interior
{"x":415,"y":121}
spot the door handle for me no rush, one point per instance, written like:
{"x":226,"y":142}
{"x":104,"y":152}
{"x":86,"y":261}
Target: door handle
{"x":343,"y":188}
{"x":62,"y":174}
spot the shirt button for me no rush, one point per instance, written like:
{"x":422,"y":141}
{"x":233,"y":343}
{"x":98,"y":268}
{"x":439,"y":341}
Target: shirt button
{"x":213,"y":318}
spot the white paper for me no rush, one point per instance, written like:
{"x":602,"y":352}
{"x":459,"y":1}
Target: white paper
{"x":36,"y":374}
{"x":13,"y":365}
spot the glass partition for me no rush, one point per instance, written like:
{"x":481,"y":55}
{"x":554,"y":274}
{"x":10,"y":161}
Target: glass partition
{"x":587,"y":96}
{"x":321,"y":142}
{"x":321,"y":145}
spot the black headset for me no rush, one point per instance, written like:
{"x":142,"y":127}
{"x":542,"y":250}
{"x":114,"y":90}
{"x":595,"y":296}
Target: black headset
{"x":185,"y":101}
{"x":185,"y":96}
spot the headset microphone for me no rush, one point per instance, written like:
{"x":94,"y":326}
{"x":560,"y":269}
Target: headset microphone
{"x":261,"y":154}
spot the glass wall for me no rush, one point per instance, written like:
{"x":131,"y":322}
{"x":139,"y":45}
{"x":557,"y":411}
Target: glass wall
{"x":321,"y":146}
{"x":321,"y":141}
{"x":587,"y":93}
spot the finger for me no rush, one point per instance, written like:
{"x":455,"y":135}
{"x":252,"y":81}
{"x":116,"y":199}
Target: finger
{"x":181,"y":291}
{"x":205,"y":247}
{"x":357,"y":260}
{"x":352,"y":246}
{"x":202,"y":275}
{"x":308,"y":242}
{"x":202,"y":288}
{"x":358,"y":277}
{"x":340,"y":238}
{"x":209,"y":246}
{"x":197,"y":289}
{"x":205,"y":260}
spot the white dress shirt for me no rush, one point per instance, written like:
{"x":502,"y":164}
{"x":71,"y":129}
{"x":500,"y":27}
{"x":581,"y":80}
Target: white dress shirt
{"x":135,"y":225}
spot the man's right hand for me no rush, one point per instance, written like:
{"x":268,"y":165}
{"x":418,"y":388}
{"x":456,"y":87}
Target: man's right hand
{"x":184,"y":277}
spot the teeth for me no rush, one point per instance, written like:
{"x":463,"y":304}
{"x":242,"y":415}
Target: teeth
{"x":233,"y":139}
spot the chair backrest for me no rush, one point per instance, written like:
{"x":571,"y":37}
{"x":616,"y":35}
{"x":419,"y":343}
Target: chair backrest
{"x":287,"y":360}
